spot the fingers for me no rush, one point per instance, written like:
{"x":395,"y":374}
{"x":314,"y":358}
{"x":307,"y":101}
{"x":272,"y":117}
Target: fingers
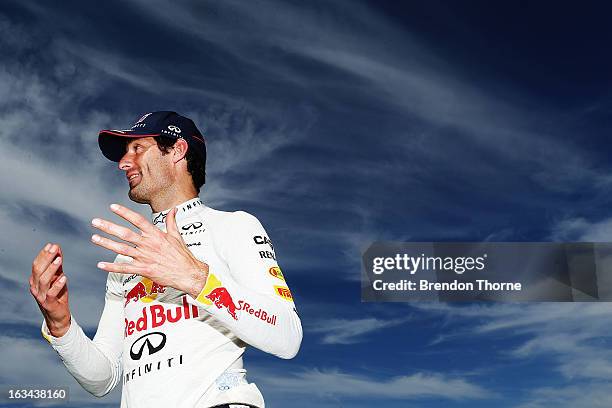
{"x":41,"y":284}
{"x":44,"y":259}
{"x":57,"y":286}
{"x":133,"y":217}
{"x":118,"y":231}
{"x":44,"y":280}
{"x":117,"y":247}
{"x":126,"y":268}
{"x":45,"y":297}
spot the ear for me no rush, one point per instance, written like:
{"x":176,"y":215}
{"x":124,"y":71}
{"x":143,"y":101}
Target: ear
{"x":180,"y":149}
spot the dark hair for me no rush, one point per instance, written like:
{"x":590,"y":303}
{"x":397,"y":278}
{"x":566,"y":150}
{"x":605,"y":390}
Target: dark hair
{"x":195,"y":165}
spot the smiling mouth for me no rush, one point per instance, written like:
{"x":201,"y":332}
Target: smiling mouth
{"x":134,"y":179}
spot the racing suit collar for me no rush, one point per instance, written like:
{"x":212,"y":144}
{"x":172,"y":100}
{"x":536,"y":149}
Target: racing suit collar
{"x":184,"y":210}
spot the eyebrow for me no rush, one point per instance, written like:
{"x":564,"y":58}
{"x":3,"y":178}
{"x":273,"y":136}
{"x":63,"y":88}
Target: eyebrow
{"x":132,"y":143}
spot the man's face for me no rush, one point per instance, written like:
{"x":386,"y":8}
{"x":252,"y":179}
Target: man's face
{"x":147,"y":170}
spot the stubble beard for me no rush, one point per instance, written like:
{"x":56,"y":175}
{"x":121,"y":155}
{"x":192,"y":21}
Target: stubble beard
{"x":138,"y":194}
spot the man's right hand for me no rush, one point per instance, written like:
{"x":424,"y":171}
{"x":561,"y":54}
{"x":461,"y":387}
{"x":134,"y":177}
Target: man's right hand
{"x":48,"y":286}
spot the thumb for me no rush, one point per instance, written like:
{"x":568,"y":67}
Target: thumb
{"x":171,"y":226}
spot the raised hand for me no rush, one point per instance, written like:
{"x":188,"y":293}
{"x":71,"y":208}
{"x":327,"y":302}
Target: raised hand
{"x":48,"y":285}
{"x":160,"y":256}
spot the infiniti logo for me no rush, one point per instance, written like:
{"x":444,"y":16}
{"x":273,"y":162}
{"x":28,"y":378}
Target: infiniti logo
{"x":194,"y":226}
{"x":175,"y":129}
{"x":154,"y":342}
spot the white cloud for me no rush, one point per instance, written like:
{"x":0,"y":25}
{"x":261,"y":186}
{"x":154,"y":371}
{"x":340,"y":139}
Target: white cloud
{"x":50,"y":160}
{"x":32,"y":362}
{"x":334,"y":383}
{"x":574,"y":335}
{"x":591,"y":395}
{"x":351,"y":331}
{"x":62,"y":172}
{"x":580,"y":229}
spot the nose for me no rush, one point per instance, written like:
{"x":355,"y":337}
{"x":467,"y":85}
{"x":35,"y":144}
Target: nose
{"x":126,"y":162}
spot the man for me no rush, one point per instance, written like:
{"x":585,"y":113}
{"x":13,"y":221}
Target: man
{"x":184,"y":295}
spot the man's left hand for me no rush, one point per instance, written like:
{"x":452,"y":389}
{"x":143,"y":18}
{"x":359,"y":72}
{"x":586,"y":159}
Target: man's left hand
{"x":160,"y":256}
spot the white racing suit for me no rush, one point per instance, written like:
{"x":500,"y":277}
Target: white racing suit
{"x":169,"y":349}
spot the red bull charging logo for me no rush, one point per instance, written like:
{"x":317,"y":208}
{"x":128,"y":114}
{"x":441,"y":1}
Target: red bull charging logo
{"x":221,"y":298}
{"x":216,"y":294}
{"x":146,"y":290}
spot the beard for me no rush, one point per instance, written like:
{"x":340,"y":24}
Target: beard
{"x":139,"y":194}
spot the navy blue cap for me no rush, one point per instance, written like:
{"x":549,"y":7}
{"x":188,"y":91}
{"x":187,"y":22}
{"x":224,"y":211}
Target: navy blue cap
{"x":162,"y":123}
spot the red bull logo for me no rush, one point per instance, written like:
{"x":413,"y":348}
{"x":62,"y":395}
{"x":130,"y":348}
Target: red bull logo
{"x":156,"y":315}
{"x":214,"y":293}
{"x":157,"y":288}
{"x":221,"y":298}
{"x":259,"y":313}
{"x":145,"y":289}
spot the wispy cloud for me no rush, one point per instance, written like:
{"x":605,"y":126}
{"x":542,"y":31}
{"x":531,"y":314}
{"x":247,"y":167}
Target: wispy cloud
{"x":31,"y":363}
{"x":336,"y":126}
{"x":575,"y":335}
{"x":351,"y":331}
{"x":581,"y":229}
{"x":591,"y":395}
{"x":335,"y":383}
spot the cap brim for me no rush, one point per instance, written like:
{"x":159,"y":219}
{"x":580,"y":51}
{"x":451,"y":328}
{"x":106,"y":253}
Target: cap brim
{"x":112,"y":142}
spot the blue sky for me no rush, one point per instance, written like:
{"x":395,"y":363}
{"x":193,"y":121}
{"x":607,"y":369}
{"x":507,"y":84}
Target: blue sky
{"x":336,"y":124}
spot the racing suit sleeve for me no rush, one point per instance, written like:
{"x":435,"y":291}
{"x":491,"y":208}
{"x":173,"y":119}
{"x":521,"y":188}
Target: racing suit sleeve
{"x":253,"y":299}
{"x":95,"y":364}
